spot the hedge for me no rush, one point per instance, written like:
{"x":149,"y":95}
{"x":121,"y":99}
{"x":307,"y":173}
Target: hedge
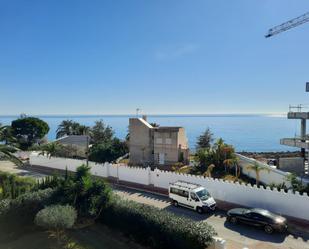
{"x":156,"y":228}
{"x":22,"y":210}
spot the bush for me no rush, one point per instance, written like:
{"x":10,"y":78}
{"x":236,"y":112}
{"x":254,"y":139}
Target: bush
{"x":22,"y":210}
{"x":11,"y":186}
{"x":108,"y":152}
{"x":56,"y":217}
{"x":157,"y":228}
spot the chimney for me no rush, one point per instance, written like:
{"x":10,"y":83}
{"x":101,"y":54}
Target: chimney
{"x":144,"y":117}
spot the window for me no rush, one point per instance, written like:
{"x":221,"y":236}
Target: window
{"x":168,"y":141}
{"x":179,"y":192}
{"x":193,"y":196}
{"x":159,"y":140}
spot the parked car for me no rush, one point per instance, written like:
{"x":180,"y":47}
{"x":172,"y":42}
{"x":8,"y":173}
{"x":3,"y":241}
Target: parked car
{"x":192,"y":196}
{"x":269,"y":221}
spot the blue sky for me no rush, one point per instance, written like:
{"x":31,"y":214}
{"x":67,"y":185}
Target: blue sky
{"x":164,"y":56}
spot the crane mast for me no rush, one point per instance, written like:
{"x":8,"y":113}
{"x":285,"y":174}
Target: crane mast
{"x":288,"y":25}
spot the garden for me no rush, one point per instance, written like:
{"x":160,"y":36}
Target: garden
{"x":66,"y":211}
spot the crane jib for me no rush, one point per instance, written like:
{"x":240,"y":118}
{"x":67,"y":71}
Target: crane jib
{"x":288,"y":25}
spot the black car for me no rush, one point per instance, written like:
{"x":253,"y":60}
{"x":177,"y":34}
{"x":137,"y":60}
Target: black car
{"x":269,"y":221}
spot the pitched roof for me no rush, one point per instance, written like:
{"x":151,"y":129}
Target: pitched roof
{"x":80,"y":140}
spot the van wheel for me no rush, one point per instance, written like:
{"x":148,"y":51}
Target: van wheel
{"x":199,"y":210}
{"x":175,"y":203}
{"x":268,"y":229}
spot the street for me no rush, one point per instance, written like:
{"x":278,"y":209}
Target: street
{"x":237,"y":236}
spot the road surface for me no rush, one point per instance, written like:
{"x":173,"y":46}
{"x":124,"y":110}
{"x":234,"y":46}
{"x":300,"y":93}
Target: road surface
{"x":237,"y":236}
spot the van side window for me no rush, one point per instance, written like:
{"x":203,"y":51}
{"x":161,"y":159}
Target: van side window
{"x":185,"y":193}
{"x":174,"y":191}
{"x":180,"y":192}
{"x":193,"y":196}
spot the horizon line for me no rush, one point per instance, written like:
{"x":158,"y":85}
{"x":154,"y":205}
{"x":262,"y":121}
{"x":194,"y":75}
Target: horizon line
{"x":149,"y":114}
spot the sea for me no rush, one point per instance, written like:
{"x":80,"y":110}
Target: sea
{"x":252,"y":133}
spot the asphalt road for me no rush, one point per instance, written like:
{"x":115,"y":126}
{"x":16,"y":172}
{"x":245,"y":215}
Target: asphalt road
{"x":237,"y":236}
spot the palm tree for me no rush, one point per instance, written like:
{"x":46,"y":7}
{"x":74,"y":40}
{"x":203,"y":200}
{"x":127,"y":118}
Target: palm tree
{"x":82,"y":130}
{"x":7,"y":153}
{"x":65,"y":128}
{"x":6,"y":134}
{"x":50,"y":149}
{"x":209,"y":170}
{"x":257,"y":168}
{"x":232,"y":162}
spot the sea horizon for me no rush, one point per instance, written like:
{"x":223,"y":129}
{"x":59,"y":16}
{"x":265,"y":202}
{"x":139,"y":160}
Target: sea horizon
{"x":246,"y":132}
{"x":151,"y":115}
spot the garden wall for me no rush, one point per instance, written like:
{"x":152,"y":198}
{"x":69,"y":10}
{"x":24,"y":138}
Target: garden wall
{"x":272,"y":175}
{"x":290,"y":204}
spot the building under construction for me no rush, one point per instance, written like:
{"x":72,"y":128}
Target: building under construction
{"x":301,"y":141}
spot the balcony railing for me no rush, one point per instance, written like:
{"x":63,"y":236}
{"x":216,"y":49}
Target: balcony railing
{"x":295,"y":142}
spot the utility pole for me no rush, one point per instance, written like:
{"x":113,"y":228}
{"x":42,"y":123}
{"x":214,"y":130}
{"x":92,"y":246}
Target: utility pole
{"x":137,"y":111}
{"x":87,"y":151}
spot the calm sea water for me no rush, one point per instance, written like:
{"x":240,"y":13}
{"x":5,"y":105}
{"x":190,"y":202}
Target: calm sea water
{"x":245,"y":132}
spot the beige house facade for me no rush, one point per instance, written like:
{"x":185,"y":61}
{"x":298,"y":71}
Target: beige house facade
{"x":156,"y":145}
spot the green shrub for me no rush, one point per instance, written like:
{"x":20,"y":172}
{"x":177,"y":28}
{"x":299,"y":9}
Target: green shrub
{"x":157,"y":228}
{"x":11,"y":186}
{"x":22,"y":210}
{"x":56,"y":217}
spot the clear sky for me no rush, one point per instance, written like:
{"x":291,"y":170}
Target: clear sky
{"x":164,"y":56}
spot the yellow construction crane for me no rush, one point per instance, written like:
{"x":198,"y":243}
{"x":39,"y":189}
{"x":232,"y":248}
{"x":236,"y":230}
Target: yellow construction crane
{"x":288,"y":25}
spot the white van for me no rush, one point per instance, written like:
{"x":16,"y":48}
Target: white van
{"x":192,"y":196}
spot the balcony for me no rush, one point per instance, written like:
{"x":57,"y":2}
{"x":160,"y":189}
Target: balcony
{"x":295,"y":142}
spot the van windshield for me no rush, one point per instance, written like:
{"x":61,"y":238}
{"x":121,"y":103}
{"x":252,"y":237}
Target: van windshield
{"x":203,"y":194}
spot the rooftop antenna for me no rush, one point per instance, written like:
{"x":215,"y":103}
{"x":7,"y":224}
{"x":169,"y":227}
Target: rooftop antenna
{"x":137,"y":111}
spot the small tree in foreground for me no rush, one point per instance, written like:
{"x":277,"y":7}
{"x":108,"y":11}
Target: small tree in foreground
{"x":56,"y":219}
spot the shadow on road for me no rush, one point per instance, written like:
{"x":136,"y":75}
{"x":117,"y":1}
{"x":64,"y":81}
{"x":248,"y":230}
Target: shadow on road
{"x":191,"y":214}
{"x":256,"y":233}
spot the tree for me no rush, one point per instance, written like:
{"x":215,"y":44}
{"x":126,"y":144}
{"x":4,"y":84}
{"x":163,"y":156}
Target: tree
{"x":257,"y":168}
{"x":56,"y":218}
{"x":101,"y":133}
{"x":109,"y":151}
{"x":209,"y":170}
{"x":70,"y":127}
{"x":7,"y":153}
{"x":296,"y":184}
{"x":65,"y":128}
{"x":204,"y":157}
{"x":232,"y":162}
{"x":6,"y":134}
{"x":205,"y":140}
{"x":29,"y":130}
{"x":51,"y":149}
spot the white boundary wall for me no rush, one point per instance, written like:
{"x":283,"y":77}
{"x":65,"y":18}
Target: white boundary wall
{"x":290,"y":204}
{"x":273,"y":175}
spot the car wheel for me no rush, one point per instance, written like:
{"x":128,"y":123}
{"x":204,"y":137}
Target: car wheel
{"x":175,"y":203}
{"x":233,"y":220}
{"x":199,"y":210}
{"x":268,"y":229}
